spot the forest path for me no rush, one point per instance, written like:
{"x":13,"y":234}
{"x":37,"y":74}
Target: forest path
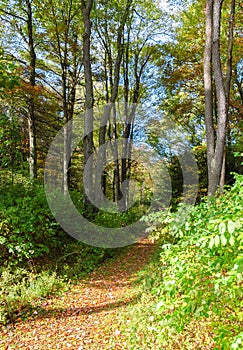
{"x":85,"y":316}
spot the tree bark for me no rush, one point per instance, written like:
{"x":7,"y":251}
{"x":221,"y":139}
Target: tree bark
{"x":228,"y":85}
{"x":86,"y":7}
{"x":31,"y":100}
{"x":213,"y":68}
{"x":220,"y":94}
{"x":208,"y":89}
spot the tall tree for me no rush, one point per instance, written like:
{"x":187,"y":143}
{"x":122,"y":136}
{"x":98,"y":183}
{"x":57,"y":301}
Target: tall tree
{"x":86,"y":7}
{"x":127,"y":33}
{"x":31,"y":101}
{"x":213,"y":74}
{"x":21,"y":14}
{"x":61,"y":63}
{"x":228,"y":79}
{"x":109,"y":26}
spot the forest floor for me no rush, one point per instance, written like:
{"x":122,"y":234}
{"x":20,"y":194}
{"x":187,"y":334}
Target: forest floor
{"x":86,"y":316}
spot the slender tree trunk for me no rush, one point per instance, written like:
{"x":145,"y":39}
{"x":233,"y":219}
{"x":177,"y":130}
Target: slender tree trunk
{"x":118,"y":194}
{"x":129,"y":126}
{"x":228,"y":84}
{"x":114,"y":77}
{"x":63,"y":60}
{"x":73,"y":80}
{"x":208,"y":88}
{"x":220,"y":94}
{"x":86,"y":7}
{"x":126,"y":155}
{"x":114,"y":93}
{"x":66,"y":136}
{"x":31,"y":101}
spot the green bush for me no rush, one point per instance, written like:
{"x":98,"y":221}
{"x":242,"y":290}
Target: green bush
{"x":38,"y":258}
{"x":198,"y":278}
{"x":27,"y":227}
{"x":78,"y":259}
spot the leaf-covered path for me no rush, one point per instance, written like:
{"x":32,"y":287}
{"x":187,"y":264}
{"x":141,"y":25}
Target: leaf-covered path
{"x":85,"y":316}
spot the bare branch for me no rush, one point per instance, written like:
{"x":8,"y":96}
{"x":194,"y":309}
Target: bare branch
{"x":13,"y":15}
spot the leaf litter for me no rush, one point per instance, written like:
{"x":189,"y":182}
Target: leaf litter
{"x":86,"y":316}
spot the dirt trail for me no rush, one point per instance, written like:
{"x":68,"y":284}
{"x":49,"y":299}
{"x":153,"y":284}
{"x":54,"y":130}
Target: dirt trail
{"x":84,"y":317}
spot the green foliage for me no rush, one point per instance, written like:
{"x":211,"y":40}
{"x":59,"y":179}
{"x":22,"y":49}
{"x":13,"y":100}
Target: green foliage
{"x":20,"y":289}
{"x":106,"y":219}
{"x":202,"y":274}
{"x":8,"y":76}
{"x":198,"y":277}
{"x":28,"y":229}
{"x":38,"y":258}
{"x":78,"y":259}
{"x":10,"y":143}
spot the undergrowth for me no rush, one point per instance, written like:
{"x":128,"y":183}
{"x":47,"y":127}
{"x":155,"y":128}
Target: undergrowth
{"x":192,"y":291}
{"x":19,"y":290}
{"x":38,"y":258}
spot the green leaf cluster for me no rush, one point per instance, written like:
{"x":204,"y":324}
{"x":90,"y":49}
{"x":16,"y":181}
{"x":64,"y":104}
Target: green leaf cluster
{"x":193,"y":288}
{"x":202,"y":274}
{"x":8,"y":75}
{"x":27,"y":227}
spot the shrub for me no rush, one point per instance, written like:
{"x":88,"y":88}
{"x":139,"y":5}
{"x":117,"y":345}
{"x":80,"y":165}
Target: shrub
{"x":27,"y":227}
{"x":198,"y":278}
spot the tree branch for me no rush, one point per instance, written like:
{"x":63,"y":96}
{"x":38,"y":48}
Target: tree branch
{"x":13,"y":15}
